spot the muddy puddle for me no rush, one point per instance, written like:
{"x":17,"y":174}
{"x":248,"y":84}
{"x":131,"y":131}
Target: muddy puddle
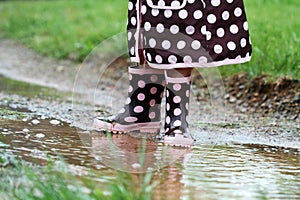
{"x":207,"y":171}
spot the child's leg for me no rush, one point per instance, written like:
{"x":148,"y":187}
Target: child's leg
{"x":177,"y":107}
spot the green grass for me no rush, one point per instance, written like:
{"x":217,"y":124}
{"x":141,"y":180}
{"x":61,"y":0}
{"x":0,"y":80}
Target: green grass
{"x":275,"y":35}
{"x":71,"y":29}
{"x":20,"y":180}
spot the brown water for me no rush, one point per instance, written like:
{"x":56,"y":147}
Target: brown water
{"x":207,"y":171}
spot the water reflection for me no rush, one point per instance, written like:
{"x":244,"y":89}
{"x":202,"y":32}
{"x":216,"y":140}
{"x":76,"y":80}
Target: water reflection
{"x":205,"y":172}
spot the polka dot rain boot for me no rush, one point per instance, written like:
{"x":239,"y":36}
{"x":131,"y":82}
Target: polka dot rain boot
{"x":142,"y":109}
{"x":177,"y":109}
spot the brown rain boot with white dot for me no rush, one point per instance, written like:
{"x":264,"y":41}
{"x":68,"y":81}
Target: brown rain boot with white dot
{"x":177,"y":109}
{"x":142,"y":109}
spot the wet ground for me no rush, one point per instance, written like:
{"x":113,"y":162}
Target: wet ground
{"x":236,"y":156}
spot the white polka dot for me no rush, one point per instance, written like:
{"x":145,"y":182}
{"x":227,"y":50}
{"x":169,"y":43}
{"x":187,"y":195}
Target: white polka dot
{"x":130,"y":119}
{"x":168,"y":106}
{"x":149,"y":57}
{"x":203,"y":30}
{"x":175,"y":4}
{"x":147,"y":26}
{"x":141,"y":84}
{"x":198,"y":14}
{"x":168,"y":13}
{"x":177,"y":123}
{"x":174,"y":29}
{"x":155,"y":12}
{"x":208,"y":35}
{"x":141,"y":97}
{"x":130,"y":5}
{"x":215,"y":2}
{"x":122,"y":110}
{"x":229,"y":1}
{"x":218,"y":49}
{"x":144,"y":10}
{"x":211,"y":18}
{"x":181,"y":44}
{"x":177,"y":87}
{"x":158,"y":59}
{"x":152,"y":115}
{"x":225,"y":15}
{"x":138,"y":109}
{"x":167,"y":93}
{"x":187,"y":59}
{"x":132,"y":50}
{"x":172,"y":59}
{"x":234,"y":29}
{"x":153,"y":78}
{"x":168,"y":120}
{"x":133,"y":21}
{"x":166,"y":44}
{"x":231,"y":45}
{"x":177,"y":111}
{"x":152,"y":102}
{"x":152,"y":43}
{"x":130,"y":88}
{"x":191,"y":1}
{"x":129,"y":35}
{"x":187,"y":93}
{"x":243,"y":42}
{"x":128,"y":100}
{"x":245,"y":25}
{"x":177,"y":99}
{"x":187,"y":106}
{"x":161,"y":3}
{"x":160,"y":28}
{"x":220,"y":32}
{"x":238,"y":12}
{"x":183,"y":14}
{"x":196,"y":45}
{"x":203,"y":60}
{"x":190,"y":30}
{"x":153,"y":90}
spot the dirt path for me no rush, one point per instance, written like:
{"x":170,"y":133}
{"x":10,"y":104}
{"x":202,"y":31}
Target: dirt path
{"x":210,"y":124}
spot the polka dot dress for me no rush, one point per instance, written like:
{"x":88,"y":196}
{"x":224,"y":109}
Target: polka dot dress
{"x":188,"y":33}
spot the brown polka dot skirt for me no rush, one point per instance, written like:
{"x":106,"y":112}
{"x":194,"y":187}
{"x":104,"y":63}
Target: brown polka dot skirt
{"x":188,"y":33}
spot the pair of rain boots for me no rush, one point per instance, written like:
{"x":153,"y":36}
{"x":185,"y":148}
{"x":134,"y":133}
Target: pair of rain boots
{"x":142,"y":110}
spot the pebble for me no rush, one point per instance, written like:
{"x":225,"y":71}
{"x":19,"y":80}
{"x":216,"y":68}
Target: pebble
{"x":25,"y":130}
{"x":54,"y":122}
{"x":40,"y":135}
{"x":136,"y":165}
{"x":35,"y":121}
{"x":232,"y":100}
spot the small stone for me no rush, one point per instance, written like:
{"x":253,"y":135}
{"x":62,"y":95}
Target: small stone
{"x":35,"y":121}
{"x":40,"y":135}
{"x":136,"y":165}
{"x":25,"y":130}
{"x":241,"y":87}
{"x":54,"y":122}
{"x":243,"y":110}
{"x":232,"y":100}
{"x":239,"y":102}
{"x":227,"y":96}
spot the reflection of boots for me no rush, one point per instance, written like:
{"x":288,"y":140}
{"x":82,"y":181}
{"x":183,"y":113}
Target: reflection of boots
{"x":177,"y":108}
{"x":142,"y":109}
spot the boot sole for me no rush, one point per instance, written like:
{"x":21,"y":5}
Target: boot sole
{"x":148,"y":127}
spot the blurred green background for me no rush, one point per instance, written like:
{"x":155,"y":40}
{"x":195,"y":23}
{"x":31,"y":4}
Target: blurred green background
{"x":67,"y":29}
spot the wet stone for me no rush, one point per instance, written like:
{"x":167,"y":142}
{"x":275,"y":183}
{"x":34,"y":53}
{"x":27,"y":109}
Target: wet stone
{"x":35,"y":122}
{"x":54,"y":122}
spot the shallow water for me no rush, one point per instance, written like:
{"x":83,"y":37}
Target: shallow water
{"x":207,"y":171}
